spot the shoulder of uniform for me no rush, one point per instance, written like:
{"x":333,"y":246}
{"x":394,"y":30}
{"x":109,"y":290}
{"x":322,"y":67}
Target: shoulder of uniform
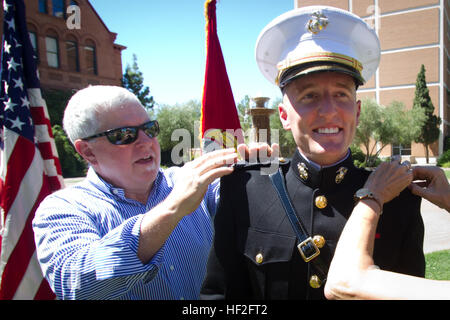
{"x":246,"y":166}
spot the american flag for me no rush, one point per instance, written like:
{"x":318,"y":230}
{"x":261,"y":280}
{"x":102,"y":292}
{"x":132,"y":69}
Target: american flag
{"x":29,"y":168}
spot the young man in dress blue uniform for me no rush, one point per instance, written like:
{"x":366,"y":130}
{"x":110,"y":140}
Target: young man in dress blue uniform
{"x":318,"y":56}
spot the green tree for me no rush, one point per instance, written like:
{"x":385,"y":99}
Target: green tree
{"x":370,"y":128}
{"x":405,"y":124}
{"x":430,"y":129}
{"x":380,"y":126}
{"x":56,"y":101}
{"x":133,"y":80}
{"x":285,"y":138}
{"x":72,"y":164}
{"x":180,"y":116}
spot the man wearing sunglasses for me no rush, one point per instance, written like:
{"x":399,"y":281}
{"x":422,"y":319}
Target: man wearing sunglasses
{"x":129,"y":230}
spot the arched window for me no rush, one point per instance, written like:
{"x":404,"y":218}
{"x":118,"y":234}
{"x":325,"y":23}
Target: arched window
{"x":33,"y":38}
{"x":72,"y":54}
{"x":90,"y":57}
{"x":43,"y":6}
{"x":58,"y":8}
{"x":52,"y":49}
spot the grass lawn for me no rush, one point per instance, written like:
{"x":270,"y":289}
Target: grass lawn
{"x":438,"y":265}
{"x":447,"y":173}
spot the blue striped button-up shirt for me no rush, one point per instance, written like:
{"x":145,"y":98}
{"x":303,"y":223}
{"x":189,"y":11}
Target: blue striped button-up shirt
{"x":87,"y":238}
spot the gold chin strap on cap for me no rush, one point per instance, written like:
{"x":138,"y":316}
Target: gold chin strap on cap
{"x":329,"y":57}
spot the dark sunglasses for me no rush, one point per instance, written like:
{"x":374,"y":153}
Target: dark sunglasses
{"x":127,"y":135}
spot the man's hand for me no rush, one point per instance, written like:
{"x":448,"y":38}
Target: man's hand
{"x":193,"y":179}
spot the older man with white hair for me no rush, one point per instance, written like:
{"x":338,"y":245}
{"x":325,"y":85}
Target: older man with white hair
{"x":130,"y":230}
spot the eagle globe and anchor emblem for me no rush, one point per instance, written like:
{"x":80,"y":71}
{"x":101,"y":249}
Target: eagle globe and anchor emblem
{"x":317,"y":22}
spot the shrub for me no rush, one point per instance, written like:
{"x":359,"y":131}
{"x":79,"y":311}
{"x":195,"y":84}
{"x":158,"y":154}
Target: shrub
{"x":444,"y":159}
{"x":446,"y":143}
{"x":357,"y":154}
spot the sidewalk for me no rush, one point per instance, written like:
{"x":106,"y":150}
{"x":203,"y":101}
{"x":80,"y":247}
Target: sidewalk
{"x":437,"y":227}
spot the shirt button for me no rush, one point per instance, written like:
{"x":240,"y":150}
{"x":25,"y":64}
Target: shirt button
{"x":172,"y":268}
{"x":115,"y":191}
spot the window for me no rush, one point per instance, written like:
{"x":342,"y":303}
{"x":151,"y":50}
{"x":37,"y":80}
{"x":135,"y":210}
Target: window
{"x":52,"y":52}
{"x":58,"y":8}
{"x":90,"y":57}
{"x":33,"y":40}
{"x":72,"y":55}
{"x":43,"y":6}
{"x":401,"y":150}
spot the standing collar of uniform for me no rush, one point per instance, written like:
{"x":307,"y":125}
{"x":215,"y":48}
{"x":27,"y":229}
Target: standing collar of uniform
{"x":318,"y":166}
{"x":323,"y":177}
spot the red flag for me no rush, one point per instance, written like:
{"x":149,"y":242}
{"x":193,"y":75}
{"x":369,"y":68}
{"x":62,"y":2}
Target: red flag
{"x":30,"y":168}
{"x":219,"y":119}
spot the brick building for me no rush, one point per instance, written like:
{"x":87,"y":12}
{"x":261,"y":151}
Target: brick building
{"x":74,"y":47}
{"x":412,"y":33}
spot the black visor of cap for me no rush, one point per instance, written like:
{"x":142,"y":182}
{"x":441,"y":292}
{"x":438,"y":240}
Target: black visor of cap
{"x":314,"y":67}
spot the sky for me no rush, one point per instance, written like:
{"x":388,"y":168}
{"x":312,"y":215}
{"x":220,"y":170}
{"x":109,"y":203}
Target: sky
{"x":169,"y":40}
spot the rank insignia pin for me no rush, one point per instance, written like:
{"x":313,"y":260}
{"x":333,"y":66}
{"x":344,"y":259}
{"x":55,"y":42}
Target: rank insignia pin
{"x":340,"y":174}
{"x":303,"y":171}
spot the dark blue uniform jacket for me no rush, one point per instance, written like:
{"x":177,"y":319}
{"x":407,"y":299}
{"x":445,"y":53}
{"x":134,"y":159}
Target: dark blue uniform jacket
{"x":254,"y":253}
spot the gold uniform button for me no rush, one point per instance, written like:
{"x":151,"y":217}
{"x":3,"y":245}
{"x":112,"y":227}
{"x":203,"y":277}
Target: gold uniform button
{"x":259,"y":258}
{"x":319,"y":241}
{"x":315,"y":282}
{"x":321,"y":202}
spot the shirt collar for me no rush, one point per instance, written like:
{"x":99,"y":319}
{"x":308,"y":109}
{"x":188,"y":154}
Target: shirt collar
{"x":106,"y":187}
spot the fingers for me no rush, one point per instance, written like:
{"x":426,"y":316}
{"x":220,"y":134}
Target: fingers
{"x":213,"y":164}
{"x":275,"y":150}
{"x":427,"y":173}
{"x":418,"y":189}
{"x":406,"y":164}
{"x":219,"y":164}
{"x":215,"y":156}
{"x":258,"y":151}
{"x":243,"y":151}
{"x":435,"y":187}
{"x":396,"y":159}
{"x":420,"y":184}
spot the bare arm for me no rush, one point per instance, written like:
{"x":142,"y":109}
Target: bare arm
{"x":352,"y":273}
